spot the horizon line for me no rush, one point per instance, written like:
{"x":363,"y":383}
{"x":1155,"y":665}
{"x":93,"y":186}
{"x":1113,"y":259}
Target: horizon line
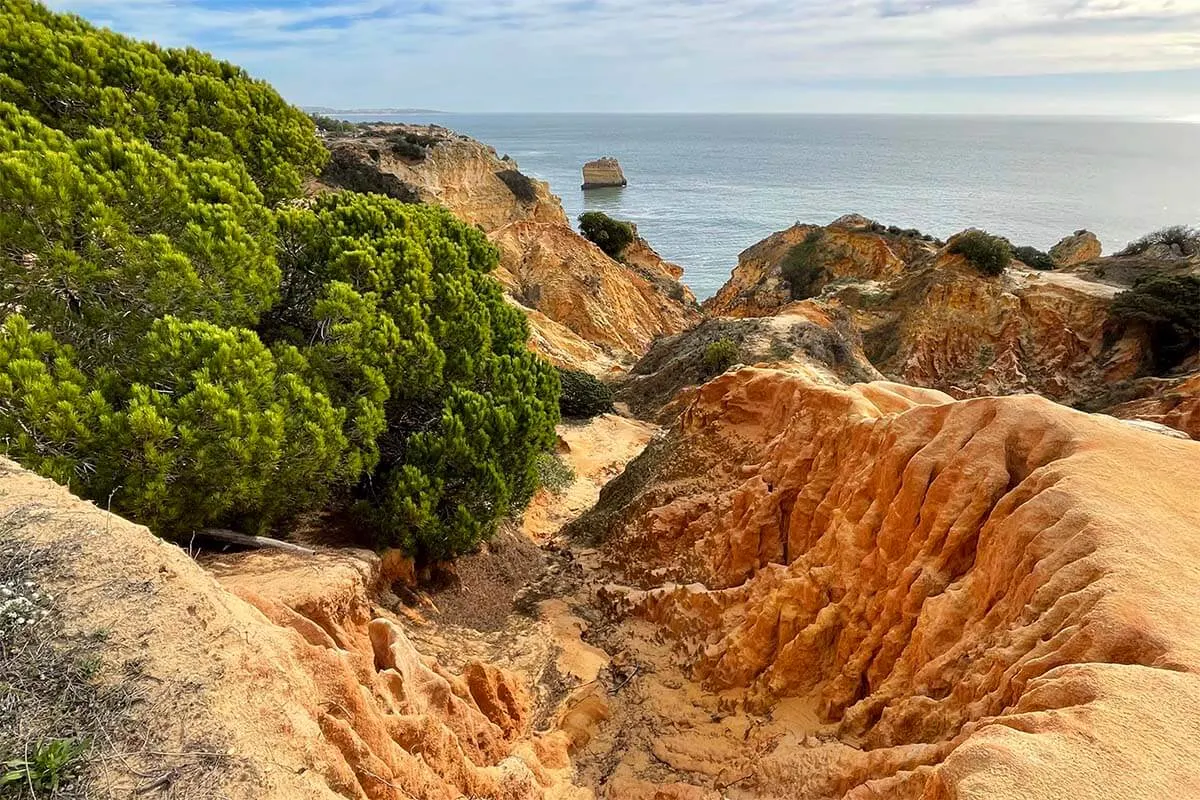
{"x":1183,"y":120}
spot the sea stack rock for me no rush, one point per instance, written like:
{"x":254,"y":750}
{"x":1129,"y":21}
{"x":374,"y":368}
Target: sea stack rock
{"x":603,"y":173}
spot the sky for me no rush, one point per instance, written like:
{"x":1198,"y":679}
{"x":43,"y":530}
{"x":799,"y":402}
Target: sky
{"x":1137,"y":58}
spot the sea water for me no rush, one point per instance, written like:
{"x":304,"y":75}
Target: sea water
{"x":702,"y":188}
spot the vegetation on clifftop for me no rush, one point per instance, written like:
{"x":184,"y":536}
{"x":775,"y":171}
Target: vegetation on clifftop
{"x":989,"y":254}
{"x":179,"y":345}
{"x":804,"y":266}
{"x":1178,"y":239}
{"x":1033,"y":258}
{"x":583,"y":396}
{"x":1169,"y":307}
{"x":610,"y":235}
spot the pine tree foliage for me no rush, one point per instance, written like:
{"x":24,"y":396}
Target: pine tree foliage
{"x":394,"y":309}
{"x":103,"y":235}
{"x":73,"y":76}
{"x":176,"y":343}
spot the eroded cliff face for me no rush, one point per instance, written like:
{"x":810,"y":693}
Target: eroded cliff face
{"x":1171,"y":402}
{"x":929,"y":319}
{"x":605,"y":312}
{"x":976,"y":599}
{"x":431,"y":164}
{"x":282,"y":672}
{"x":851,"y":250}
{"x":807,"y":337}
{"x":619,"y":308}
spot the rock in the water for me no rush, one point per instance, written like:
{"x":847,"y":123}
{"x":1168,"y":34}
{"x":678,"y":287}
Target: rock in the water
{"x":603,"y":173}
{"x":1079,"y":248}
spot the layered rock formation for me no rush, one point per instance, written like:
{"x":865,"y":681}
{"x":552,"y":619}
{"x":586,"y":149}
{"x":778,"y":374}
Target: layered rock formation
{"x":930,"y":319}
{"x":805,"y":337}
{"x":979,"y":599}
{"x":851,"y":247}
{"x":617,"y":307}
{"x":604,"y":312}
{"x":1079,"y":248}
{"x":603,"y":173}
{"x":1172,"y":402}
{"x":431,"y":164}
{"x":283,"y":673}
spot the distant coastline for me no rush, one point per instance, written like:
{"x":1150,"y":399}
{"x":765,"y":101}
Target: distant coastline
{"x":326,"y":110}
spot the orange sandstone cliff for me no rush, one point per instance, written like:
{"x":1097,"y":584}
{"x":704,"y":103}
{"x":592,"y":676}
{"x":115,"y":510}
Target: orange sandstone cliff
{"x":279,"y":678}
{"x":930,"y":319}
{"x":607,"y":311}
{"x":983,"y":598}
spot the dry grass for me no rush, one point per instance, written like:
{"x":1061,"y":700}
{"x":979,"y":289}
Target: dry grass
{"x":76,"y":720}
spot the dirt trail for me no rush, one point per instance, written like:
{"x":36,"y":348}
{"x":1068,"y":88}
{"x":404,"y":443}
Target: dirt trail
{"x":639,"y":726}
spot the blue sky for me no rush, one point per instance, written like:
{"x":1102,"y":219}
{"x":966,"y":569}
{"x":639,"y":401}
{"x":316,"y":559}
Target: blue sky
{"x":1118,"y":57}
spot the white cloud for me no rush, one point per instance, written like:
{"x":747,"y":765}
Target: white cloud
{"x":675,"y":54}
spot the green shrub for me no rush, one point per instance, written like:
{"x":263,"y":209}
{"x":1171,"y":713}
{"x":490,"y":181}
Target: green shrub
{"x":1034,"y":258}
{"x":554,"y":473}
{"x":216,"y":430}
{"x":410,"y":145}
{"x":73,"y":76}
{"x":521,"y":185}
{"x":583,"y":396}
{"x":50,"y":766}
{"x":1169,"y":307}
{"x":1181,"y":237}
{"x":50,"y":414}
{"x":392,"y":307}
{"x":104,"y":235}
{"x":610,"y":235}
{"x":989,"y":254}
{"x":803,"y":266}
{"x":331,"y":125}
{"x":719,"y":356}
{"x":173,"y":346}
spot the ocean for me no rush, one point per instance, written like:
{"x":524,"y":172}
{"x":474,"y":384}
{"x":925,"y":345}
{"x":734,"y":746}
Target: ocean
{"x":702,"y":188}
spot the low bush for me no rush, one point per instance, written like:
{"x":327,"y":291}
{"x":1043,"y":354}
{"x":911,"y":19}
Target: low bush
{"x":520,"y":184}
{"x":1034,"y":258}
{"x":402,"y":147}
{"x":554,"y":473}
{"x":909,"y":233}
{"x":331,"y":125}
{"x":989,"y":254}
{"x":719,"y":356}
{"x":804,"y":266}
{"x":583,"y":396}
{"x":1183,"y":238}
{"x":610,"y":235}
{"x":1169,"y":307}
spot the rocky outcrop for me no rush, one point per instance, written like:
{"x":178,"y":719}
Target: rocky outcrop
{"x":929,"y":319}
{"x":430,"y":164}
{"x":974,"y":599}
{"x":603,"y":173}
{"x":805,"y":337}
{"x":1079,"y":248}
{"x":587,"y":311}
{"x":851,"y":248}
{"x":947,"y":327}
{"x":1172,"y":402}
{"x":282,"y":672}
{"x":617,"y":307}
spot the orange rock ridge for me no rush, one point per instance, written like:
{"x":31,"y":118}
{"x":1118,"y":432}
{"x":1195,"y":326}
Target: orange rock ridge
{"x":989,"y":598}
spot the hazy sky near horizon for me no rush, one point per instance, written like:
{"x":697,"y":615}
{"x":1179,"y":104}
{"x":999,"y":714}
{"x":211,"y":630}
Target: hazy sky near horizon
{"x":1119,"y":57}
